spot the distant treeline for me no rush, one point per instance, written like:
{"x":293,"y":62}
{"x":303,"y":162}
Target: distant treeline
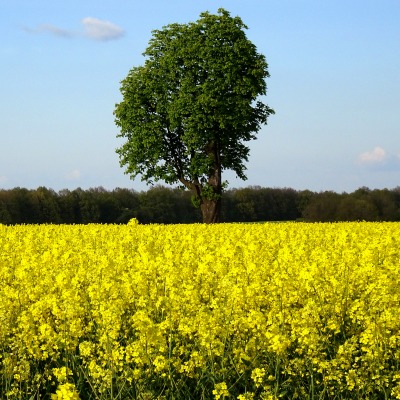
{"x":165,"y":205}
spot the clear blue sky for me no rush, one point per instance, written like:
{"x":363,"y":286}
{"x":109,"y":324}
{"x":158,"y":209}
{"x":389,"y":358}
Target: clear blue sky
{"x":335,"y":87}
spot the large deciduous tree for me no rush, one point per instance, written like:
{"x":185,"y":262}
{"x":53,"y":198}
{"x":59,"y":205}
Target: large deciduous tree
{"x":187,"y":113}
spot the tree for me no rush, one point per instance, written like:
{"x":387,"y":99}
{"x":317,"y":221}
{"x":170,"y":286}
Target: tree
{"x":322,"y":207}
{"x":187,"y":113}
{"x":48,"y":209}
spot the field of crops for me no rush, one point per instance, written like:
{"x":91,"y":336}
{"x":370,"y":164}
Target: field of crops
{"x":227,"y":311}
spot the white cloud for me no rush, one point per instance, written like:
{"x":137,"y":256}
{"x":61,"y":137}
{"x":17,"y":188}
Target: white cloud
{"x":52,"y":29}
{"x":101,"y":30}
{"x":73,"y":175}
{"x":93,"y":28}
{"x":3,"y":179}
{"x":377,"y":156}
{"x":55,"y":30}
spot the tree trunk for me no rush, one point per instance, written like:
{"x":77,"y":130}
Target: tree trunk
{"x":211,"y":201}
{"x":208,"y":196}
{"x":211,"y":210}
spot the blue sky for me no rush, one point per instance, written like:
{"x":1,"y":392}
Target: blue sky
{"x":335,"y":87}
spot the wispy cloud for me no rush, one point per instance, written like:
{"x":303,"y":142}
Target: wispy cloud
{"x":73,"y":175}
{"x":376,"y":156}
{"x":49,"y":28}
{"x":3,"y":179}
{"x":101,"y":30}
{"x":93,"y":28}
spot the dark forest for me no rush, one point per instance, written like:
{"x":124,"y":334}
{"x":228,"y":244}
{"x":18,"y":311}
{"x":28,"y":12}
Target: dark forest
{"x":165,"y":205}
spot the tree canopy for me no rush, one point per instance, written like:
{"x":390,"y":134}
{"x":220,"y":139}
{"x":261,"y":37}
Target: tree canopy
{"x":188,"y":112}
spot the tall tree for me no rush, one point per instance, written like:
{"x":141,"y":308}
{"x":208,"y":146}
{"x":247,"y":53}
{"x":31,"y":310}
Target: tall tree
{"x":188,"y":111}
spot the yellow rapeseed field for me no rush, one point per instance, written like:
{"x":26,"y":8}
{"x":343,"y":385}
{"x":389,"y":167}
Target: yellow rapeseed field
{"x":227,"y":311}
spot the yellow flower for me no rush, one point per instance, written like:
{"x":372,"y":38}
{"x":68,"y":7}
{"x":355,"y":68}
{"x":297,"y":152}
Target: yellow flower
{"x":66,"y":391}
{"x":144,"y":302}
{"x":246,"y":396}
{"x":220,"y":390}
{"x":258,"y":376}
{"x":62,"y":374}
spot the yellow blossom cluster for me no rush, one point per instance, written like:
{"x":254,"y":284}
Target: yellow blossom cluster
{"x":227,"y":311}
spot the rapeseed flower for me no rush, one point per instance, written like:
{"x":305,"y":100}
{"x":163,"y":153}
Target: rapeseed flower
{"x":286,"y":310}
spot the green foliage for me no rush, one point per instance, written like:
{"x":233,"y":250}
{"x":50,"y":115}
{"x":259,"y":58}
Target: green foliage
{"x":188,"y":111}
